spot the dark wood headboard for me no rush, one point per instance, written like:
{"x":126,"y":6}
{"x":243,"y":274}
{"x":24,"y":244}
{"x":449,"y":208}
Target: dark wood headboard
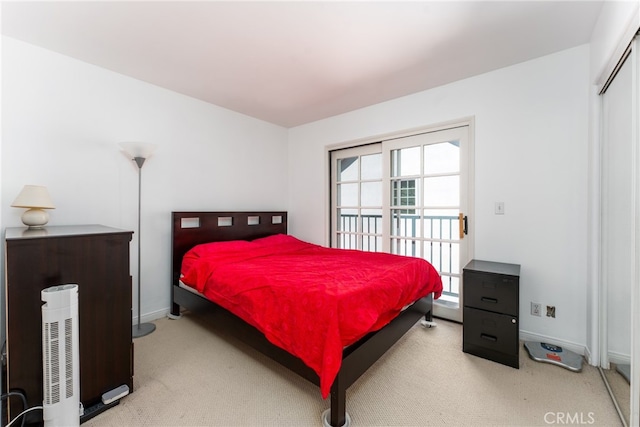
{"x":193,"y":228}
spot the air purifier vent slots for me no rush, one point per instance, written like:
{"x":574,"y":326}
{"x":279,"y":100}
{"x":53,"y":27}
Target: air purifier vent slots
{"x":52,"y":366}
{"x":46,"y":353}
{"x":68,"y":351}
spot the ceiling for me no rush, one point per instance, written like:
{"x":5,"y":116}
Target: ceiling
{"x":291,"y":63}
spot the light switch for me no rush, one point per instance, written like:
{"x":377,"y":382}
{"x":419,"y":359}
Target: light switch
{"x":499,"y":208}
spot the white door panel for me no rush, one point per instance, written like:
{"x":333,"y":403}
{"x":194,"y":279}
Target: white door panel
{"x":428,"y":195}
{"x":409,"y":196}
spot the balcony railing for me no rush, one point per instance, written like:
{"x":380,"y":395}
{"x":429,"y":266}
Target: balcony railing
{"x":437,"y":243}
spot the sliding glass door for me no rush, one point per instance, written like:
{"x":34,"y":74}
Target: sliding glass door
{"x":408,"y":196}
{"x":356,"y":212}
{"x":427,"y":193}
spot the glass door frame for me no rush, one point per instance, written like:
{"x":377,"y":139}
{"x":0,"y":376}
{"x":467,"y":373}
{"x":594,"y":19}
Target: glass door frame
{"x":462,"y":132}
{"x":336,"y":231}
{"x":467,"y":163}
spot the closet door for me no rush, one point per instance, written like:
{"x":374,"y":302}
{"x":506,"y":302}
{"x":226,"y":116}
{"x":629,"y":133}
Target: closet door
{"x":618,"y":213}
{"x":620,"y":225}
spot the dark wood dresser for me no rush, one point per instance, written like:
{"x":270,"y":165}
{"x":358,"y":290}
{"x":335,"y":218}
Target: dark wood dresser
{"x":491,"y":307}
{"x":94,"y":257}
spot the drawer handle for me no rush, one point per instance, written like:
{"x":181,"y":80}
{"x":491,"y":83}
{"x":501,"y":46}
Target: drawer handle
{"x":488,"y":337}
{"x":491,"y":300}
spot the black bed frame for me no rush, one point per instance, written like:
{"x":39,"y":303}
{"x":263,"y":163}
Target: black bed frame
{"x":192,"y":228}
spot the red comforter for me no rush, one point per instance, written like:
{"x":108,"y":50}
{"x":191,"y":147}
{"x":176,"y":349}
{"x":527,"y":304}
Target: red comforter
{"x":307,"y":299}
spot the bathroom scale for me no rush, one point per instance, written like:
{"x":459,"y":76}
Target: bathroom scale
{"x":556,"y":355}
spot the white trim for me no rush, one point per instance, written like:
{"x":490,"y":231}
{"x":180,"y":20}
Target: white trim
{"x":602,"y":253}
{"x":327,"y":197}
{"x":594,"y":273}
{"x":619,"y":359}
{"x":635,"y":288}
{"x":471,"y":187}
{"x":150,"y":317}
{"x":463,"y":121}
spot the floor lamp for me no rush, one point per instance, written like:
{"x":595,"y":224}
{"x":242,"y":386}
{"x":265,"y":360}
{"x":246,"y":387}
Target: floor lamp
{"x":139,"y":152}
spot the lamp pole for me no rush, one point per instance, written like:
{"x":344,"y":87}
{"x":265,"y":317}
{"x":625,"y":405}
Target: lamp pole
{"x":141,"y":329}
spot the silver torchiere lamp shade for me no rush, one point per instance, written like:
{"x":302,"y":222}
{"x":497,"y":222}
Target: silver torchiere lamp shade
{"x":36,"y":199}
{"x":139,"y":152}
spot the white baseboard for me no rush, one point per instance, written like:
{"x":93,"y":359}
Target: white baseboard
{"x":150,"y":317}
{"x":619,"y":359}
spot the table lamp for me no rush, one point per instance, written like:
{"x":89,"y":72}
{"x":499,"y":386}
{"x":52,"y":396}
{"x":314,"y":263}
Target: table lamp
{"x":36,"y":199}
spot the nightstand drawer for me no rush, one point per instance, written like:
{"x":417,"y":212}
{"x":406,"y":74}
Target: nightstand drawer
{"x":491,"y":292}
{"x":491,"y":335}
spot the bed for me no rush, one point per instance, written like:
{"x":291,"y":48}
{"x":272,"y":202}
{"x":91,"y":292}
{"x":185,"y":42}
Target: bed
{"x":247,"y":235}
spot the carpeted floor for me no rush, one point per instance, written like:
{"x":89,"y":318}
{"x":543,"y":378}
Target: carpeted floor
{"x":189,"y":374}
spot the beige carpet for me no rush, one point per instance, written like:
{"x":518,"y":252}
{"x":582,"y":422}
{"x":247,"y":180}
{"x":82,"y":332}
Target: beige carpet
{"x":189,"y":374}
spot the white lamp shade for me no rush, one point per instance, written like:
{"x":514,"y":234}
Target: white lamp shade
{"x":137,"y":149}
{"x":33,"y":196}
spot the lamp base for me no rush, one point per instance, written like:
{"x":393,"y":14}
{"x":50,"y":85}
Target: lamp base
{"x":142,"y":329}
{"x":35,"y":218}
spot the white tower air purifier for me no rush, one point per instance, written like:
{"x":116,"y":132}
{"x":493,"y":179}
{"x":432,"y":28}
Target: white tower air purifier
{"x":60,"y":356}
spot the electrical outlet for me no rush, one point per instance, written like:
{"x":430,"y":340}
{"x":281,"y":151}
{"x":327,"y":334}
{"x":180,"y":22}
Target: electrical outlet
{"x":551,"y":311}
{"x":535,"y":309}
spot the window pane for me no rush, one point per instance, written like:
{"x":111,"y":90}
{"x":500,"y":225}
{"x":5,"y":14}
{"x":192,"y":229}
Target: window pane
{"x":444,"y":256}
{"x":432,"y":254}
{"x":404,"y":193}
{"x":406,"y":247}
{"x":372,"y":243}
{"x":348,"y":169}
{"x":449,"y":257}
{"x":347,"y":220}
{"x":347,"y":194}
{"x":441,"y":224}
{"x":405,"y":162}
{"x":442,"y":158}
{"x":347,"y":241}
{"x":371,"y":166}
{"x":442,"y":191}
{"x":371,"y":221}
{"x":450,"y":285}
{"x":403,"y":224}
{"x":371,"y":194}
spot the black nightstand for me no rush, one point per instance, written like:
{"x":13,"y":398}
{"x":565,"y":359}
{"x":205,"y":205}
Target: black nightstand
{"x":490,"y":313}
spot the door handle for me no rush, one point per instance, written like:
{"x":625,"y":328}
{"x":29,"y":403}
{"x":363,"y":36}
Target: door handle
{"x":462,"y":223}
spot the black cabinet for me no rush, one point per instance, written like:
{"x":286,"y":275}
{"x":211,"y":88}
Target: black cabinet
{"x":94,"y":257}
{"x":491,"y":309}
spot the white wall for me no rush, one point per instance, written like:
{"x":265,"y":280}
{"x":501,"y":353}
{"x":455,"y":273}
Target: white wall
{"x":531,"y":140}
{"x":62,"y":120}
